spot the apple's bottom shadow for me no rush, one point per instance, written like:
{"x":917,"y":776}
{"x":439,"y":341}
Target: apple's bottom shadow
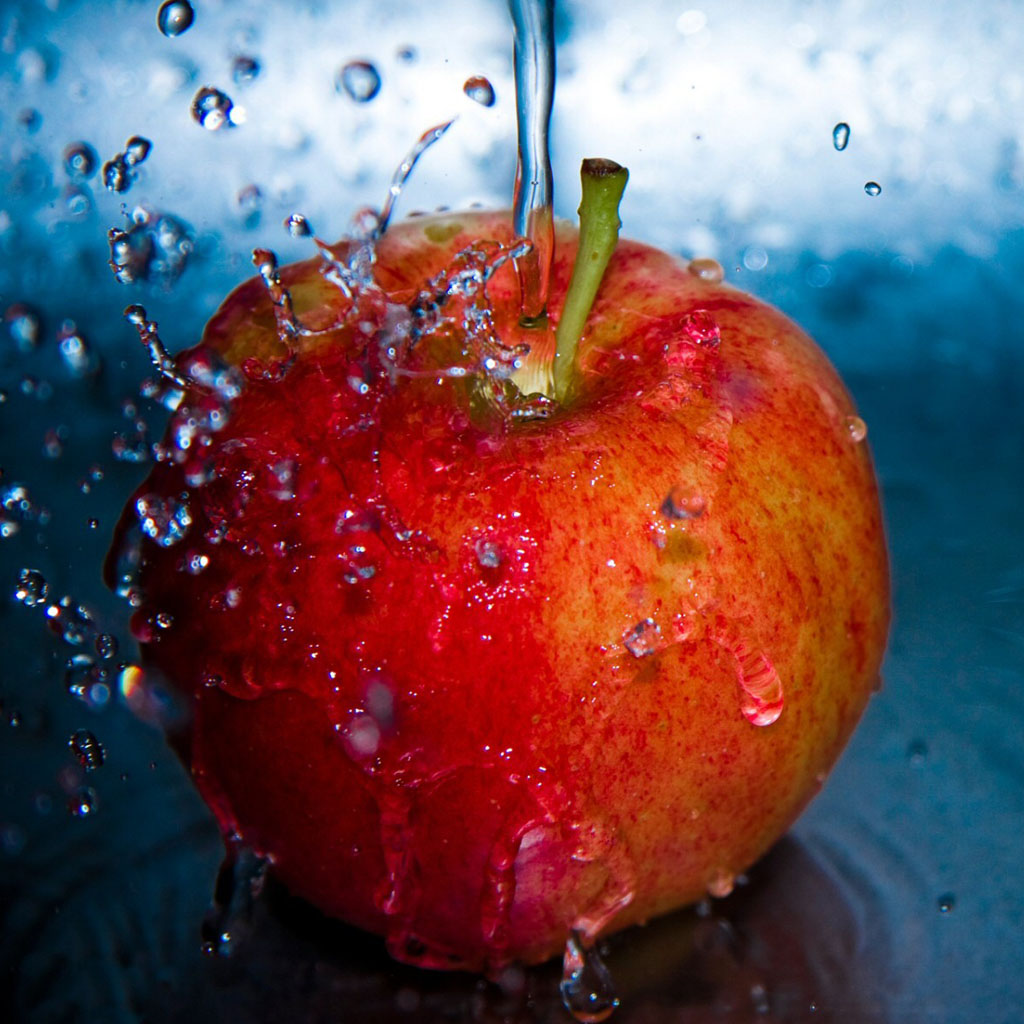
{"x":784,"y":946}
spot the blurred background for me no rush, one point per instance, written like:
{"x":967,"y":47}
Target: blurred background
{"x":857,"y":163}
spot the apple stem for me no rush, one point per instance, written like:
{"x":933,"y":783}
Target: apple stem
{"x":603,"y":184}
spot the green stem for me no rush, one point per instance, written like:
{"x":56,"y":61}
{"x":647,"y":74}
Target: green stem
{"x":603,"y":184}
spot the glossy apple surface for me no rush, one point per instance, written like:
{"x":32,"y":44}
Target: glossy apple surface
{"x":474,"y":670}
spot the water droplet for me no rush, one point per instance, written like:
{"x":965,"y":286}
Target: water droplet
{"x":488,"y":553}
{"x":87,"y":749}
{"x":759,"y":1000}
{"x":359,"y":79}
{"x":587,"y":990}
{"x":80,"y":160}
{"x":30,"y":120}
{"x":683,"y":503}
{"x":32,"y":588}
{"x":244,"y":70}
{"x":873,"y":188}
{"x":75,"y":351}
{"x":175,"y":17}
{"x":917,"y":751}
{"x":297,"y":226}
{"x":116,"y":174}
{"x":857,"y":428}
{"x":762,"y":689}
{"x":947,"y":901}
{"x":212,"y":109}
{"x":23,"y":325}
{"x":165,"y":520}
{"x":643,"y":639}
{"x":136,"y":149}
{"x":83,"y":802}
{"x":721,"y":884}
{"x":702,"y":328}
{"x":479,"y":90}
{"x":406,"y":54}
{"x":841,"y":136}
{"x":707,"y":270}
{"x":250,"y":202}
{"x":72,"y":622}
{"x":106,"y":646}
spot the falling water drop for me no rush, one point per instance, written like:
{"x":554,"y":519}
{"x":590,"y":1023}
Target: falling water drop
{"x":175,"y":17}
{"x":841,"y":136}
{"x":212,"y":109}
{"x":587,"y":989}
{"x":873,"y":188}
{"x":32,"y":588}
{"x":359,"y":80}
{"x":244,"y":69}
{"x":479,"y":90}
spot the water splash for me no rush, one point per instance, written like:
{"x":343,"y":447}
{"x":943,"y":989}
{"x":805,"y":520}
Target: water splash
{"x":239,"y":884}
{"x":588,"y":992}
{"x":405,"y":168}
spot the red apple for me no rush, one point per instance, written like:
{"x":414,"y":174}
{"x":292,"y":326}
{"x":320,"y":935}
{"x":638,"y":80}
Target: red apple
{"x":476,"y":671}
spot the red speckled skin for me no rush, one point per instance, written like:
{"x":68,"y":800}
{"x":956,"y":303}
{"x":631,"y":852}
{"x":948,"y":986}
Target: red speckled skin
{"x":465,"y":756}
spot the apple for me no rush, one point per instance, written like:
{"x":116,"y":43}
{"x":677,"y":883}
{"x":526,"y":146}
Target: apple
{"x":487,"y":657}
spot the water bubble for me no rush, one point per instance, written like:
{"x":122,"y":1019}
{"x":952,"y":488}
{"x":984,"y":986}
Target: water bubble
{"x":212,"y":109}
{"x":359,"y":79}
{"x":136,"y":149}
{"x":297,"y":226}
{"x":841,"y":136}
{"x":244,"y":70}
{"x":947,"y":901}
{"x":80,"y":160}
{"x":175,"y":17}
{"x":683,"y":503}
{"x":32,"y":588}
{"x":83,"y":802}
{"x":707,"y":270}
{"x":587,"y":990}
{"x":755,"y":258}
{"x":479,"y":90}
{"x":872,"y":188}
{"x":702,"y":328}
{"x":164,"y":520}
{"x":643,"y":639}
{"x":87,"y":749}
{"x":23,"y":325}
{"x":857,"y":428}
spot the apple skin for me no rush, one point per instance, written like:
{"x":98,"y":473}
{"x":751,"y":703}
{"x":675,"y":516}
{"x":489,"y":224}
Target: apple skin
{"x":418,"y":667}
